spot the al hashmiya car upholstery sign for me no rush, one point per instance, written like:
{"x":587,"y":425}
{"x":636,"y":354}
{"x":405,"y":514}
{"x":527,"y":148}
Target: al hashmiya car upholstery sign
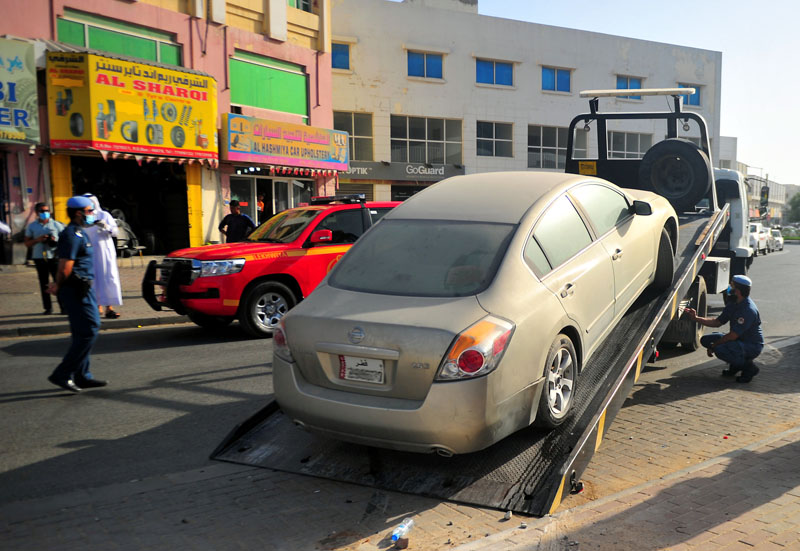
{"x":19,"y":104}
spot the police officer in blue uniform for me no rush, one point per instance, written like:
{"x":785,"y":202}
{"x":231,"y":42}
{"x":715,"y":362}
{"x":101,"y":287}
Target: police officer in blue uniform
{"x":745,"y":340}
{"x":73,"y":286}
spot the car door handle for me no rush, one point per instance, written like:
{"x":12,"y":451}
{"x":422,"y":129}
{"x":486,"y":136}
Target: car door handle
{"x":569,"y":289}
{"x":617,"y":254}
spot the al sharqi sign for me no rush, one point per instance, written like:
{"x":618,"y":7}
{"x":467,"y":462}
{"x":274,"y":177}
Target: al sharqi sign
{"x":117,"y":105}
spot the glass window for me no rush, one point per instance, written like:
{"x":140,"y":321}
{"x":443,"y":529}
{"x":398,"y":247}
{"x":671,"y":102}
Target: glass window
{"x":359,"y":129}
{"x":284,"y":227}
{"x":494,"y":72}
{"x":416,"y":64}
{"x":605,"y":207}
{"x":535,"y":257}
{"x":426,"y":65}
{"x":448,"y":258}
{"x":628,"y":145}
{"x":626,"y":83}
{"x":494,"y":139}
{"x":345,"y":225}
{"x":340,"y":56}
{"x":693,"y":99}
{"x":268,"y":83}
{"x":547,"y":147}
{"x":557,"y":80}
{"x":304,"y":5}
{"x":561,"y":232}
{"x":425,"y":140}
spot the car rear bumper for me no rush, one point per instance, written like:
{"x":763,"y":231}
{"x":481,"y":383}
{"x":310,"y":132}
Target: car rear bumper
{"x":455,"y":417}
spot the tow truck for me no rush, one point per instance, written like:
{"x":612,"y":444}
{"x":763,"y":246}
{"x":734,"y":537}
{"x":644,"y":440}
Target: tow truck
{"x":532,"y":470}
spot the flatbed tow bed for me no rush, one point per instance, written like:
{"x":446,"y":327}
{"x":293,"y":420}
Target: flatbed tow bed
{"x":528,"y":472}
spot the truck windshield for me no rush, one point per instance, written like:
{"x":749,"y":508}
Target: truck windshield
{"x":284,"y":227}
{"x":424,"y":258}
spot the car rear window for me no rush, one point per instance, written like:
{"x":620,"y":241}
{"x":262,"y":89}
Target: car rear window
{"x":428,"y":258}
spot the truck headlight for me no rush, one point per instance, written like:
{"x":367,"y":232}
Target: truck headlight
{"x":221,"y":267}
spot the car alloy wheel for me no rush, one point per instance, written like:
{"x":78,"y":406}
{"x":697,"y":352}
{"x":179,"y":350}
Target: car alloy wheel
{"x":561,"y":378}
{"x":269,"y":309}
{"x":263,"y":307}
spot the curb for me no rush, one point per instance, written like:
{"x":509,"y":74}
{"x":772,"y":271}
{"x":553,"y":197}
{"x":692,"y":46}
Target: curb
{"x":106,"y":325}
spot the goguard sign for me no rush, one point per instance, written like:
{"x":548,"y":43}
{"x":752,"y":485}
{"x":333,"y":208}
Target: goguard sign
{"x":118,"y":105}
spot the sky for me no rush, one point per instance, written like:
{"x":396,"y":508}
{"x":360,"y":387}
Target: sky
{"x":760,"y":45}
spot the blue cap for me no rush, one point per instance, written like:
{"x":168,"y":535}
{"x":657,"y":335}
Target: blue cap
{"x":742,"y":280}
{"x":79,"y":202}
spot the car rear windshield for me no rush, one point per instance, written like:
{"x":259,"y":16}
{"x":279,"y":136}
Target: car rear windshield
{"x":284,"y":227}
{"x":429,"y":258}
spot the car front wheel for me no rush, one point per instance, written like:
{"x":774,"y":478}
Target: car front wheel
{"x":263,"y":307}
{"x":561,"y":377}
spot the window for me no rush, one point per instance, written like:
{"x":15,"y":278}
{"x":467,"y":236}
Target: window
{"x":359,"y":128}
{"x":345,"y":225}
{"x":535,"y":257}
{"x":557,"y":80}
{"x":425,"y":140}
{"x":110,"y":35}
{"x":268,"y":83}
{"x":693,"y":99}
{"x":605,"y":207}
{"x":340,"y":56}
{"x":494,"y":72}
{"x":424,"y":65}
{"x":561,"y":232}
{"x":629,"y":83}
{"x":628,"y":145}
{"x":304,"y":5}
{"x":547,"y":146}
{"x":495,"y":139}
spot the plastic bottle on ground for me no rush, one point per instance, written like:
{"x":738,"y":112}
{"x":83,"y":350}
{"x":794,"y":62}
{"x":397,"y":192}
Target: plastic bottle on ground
{"x":402,"y":529}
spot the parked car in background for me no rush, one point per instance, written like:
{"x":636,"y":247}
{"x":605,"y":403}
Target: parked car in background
{"x":468,"y":312}
{"x":758,"y":239}
{"x":259,"y":279}
{"x":777,"y":239}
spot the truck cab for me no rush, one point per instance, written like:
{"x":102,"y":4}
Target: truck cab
{"x":734,"y":242}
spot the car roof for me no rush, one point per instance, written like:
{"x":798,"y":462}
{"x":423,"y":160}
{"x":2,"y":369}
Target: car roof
{"x":502,"y":197}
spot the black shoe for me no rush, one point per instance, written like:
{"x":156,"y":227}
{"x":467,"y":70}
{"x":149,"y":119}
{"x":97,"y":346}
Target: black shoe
{"x":747,"y":376}
{"x":90,"y":383}
{"x":68,"y":384}
{"x":731,"y":371}
{"x":47,"y":312}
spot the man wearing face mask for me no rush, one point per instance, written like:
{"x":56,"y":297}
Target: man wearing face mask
{"x":42,"y":236}
{"x":73,"y":286}
{"x":745,"y":340}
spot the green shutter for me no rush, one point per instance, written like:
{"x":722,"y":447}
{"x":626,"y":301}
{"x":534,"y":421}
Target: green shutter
{"x":70,"y":32}
{"x":123,"y":44}
{"x":268,"y":87}
{"x":170,"y":54}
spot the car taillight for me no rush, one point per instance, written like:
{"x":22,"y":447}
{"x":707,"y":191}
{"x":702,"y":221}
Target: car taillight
{"x":280,"y":346}
{"x":477,"y":350}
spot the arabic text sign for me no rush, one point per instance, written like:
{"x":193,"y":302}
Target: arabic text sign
{"x":118,"y":105}
{"x":19,"y":102}
{"x":252,"y":140}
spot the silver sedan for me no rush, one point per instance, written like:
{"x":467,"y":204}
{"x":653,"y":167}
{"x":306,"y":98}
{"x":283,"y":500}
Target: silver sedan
{"x":467,"y":313}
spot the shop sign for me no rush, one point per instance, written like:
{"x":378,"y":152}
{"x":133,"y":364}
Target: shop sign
{"x":251,"y":140}
{"x":117,"y":105}
{"x":362,"y":170}
{"x":19,"y":101}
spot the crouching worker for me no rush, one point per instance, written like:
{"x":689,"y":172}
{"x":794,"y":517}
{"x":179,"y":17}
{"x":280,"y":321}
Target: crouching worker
{"x":745,"y":341}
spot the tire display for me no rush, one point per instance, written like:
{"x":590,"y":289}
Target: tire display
{"x":678,"y":170}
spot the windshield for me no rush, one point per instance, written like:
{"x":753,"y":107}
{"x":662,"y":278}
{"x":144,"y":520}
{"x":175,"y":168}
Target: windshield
{"x":284,"y":227}
{"x":430,"y":258}
{"x":753,"y":228}
{"x":776,"y":233}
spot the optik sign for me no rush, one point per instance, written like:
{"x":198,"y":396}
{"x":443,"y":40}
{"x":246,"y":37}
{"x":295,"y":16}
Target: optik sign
{"x":19,"y":104}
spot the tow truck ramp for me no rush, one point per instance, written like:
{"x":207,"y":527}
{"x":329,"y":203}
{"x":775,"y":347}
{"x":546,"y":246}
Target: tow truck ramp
{"x":528,"y":472}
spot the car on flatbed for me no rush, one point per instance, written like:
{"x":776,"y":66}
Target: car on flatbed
{"x":258,"y":280}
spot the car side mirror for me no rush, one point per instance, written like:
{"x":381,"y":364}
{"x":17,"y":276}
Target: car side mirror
{"x":641,"y":208}
{"x":321,"y":236}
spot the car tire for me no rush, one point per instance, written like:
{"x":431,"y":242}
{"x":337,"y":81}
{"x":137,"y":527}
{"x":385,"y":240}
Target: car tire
{"x":210,"y":322}
{"x":665,"y":263}
{"x":263,"y":306}
{"x":560,"y":383}
{"x":678,"y":170}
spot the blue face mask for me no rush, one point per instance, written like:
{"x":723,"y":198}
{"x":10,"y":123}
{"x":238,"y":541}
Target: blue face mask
{"x":44,"y":215}
{"x":729,"y":291}
{"x":90,"y":219}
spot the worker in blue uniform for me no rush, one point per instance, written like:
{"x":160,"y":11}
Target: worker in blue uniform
{"x":73,"y":286}
{"x":745,"y":340}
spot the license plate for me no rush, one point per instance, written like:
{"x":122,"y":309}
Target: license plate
{"x":365,"y":370}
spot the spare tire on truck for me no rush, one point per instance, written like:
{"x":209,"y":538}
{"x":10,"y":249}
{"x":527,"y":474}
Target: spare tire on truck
{"x":678,"y":170}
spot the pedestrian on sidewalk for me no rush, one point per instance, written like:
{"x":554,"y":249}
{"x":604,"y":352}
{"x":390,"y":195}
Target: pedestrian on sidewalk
{"x":42,"y":236}
{"x":73,"y":286}
{"x":237,"y":225}
{"x":745,"y":340}
{"x":107,"y":286}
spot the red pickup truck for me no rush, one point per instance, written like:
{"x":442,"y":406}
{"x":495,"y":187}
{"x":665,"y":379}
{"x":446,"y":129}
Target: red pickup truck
{"x":258,"y":280}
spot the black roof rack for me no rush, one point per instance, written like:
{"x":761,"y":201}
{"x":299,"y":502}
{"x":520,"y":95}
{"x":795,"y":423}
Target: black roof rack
{"x":327,"y":200}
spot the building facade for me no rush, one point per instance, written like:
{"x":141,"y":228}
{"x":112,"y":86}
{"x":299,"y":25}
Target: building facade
{"x":430,"y":88}
{"x":158,"y":107}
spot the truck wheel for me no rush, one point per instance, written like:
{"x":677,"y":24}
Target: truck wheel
{"x":209,"y":322}
{"x":560,"y":382}
{"x":263,"y":307}
{"x":665,"y":265}
{"x":678,"y":170}
{"x":698,"y":301}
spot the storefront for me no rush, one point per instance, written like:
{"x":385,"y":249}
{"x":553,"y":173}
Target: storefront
{"x":273,"y":166}
{"x":136,"y":135}
{"x":381,"y":181}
